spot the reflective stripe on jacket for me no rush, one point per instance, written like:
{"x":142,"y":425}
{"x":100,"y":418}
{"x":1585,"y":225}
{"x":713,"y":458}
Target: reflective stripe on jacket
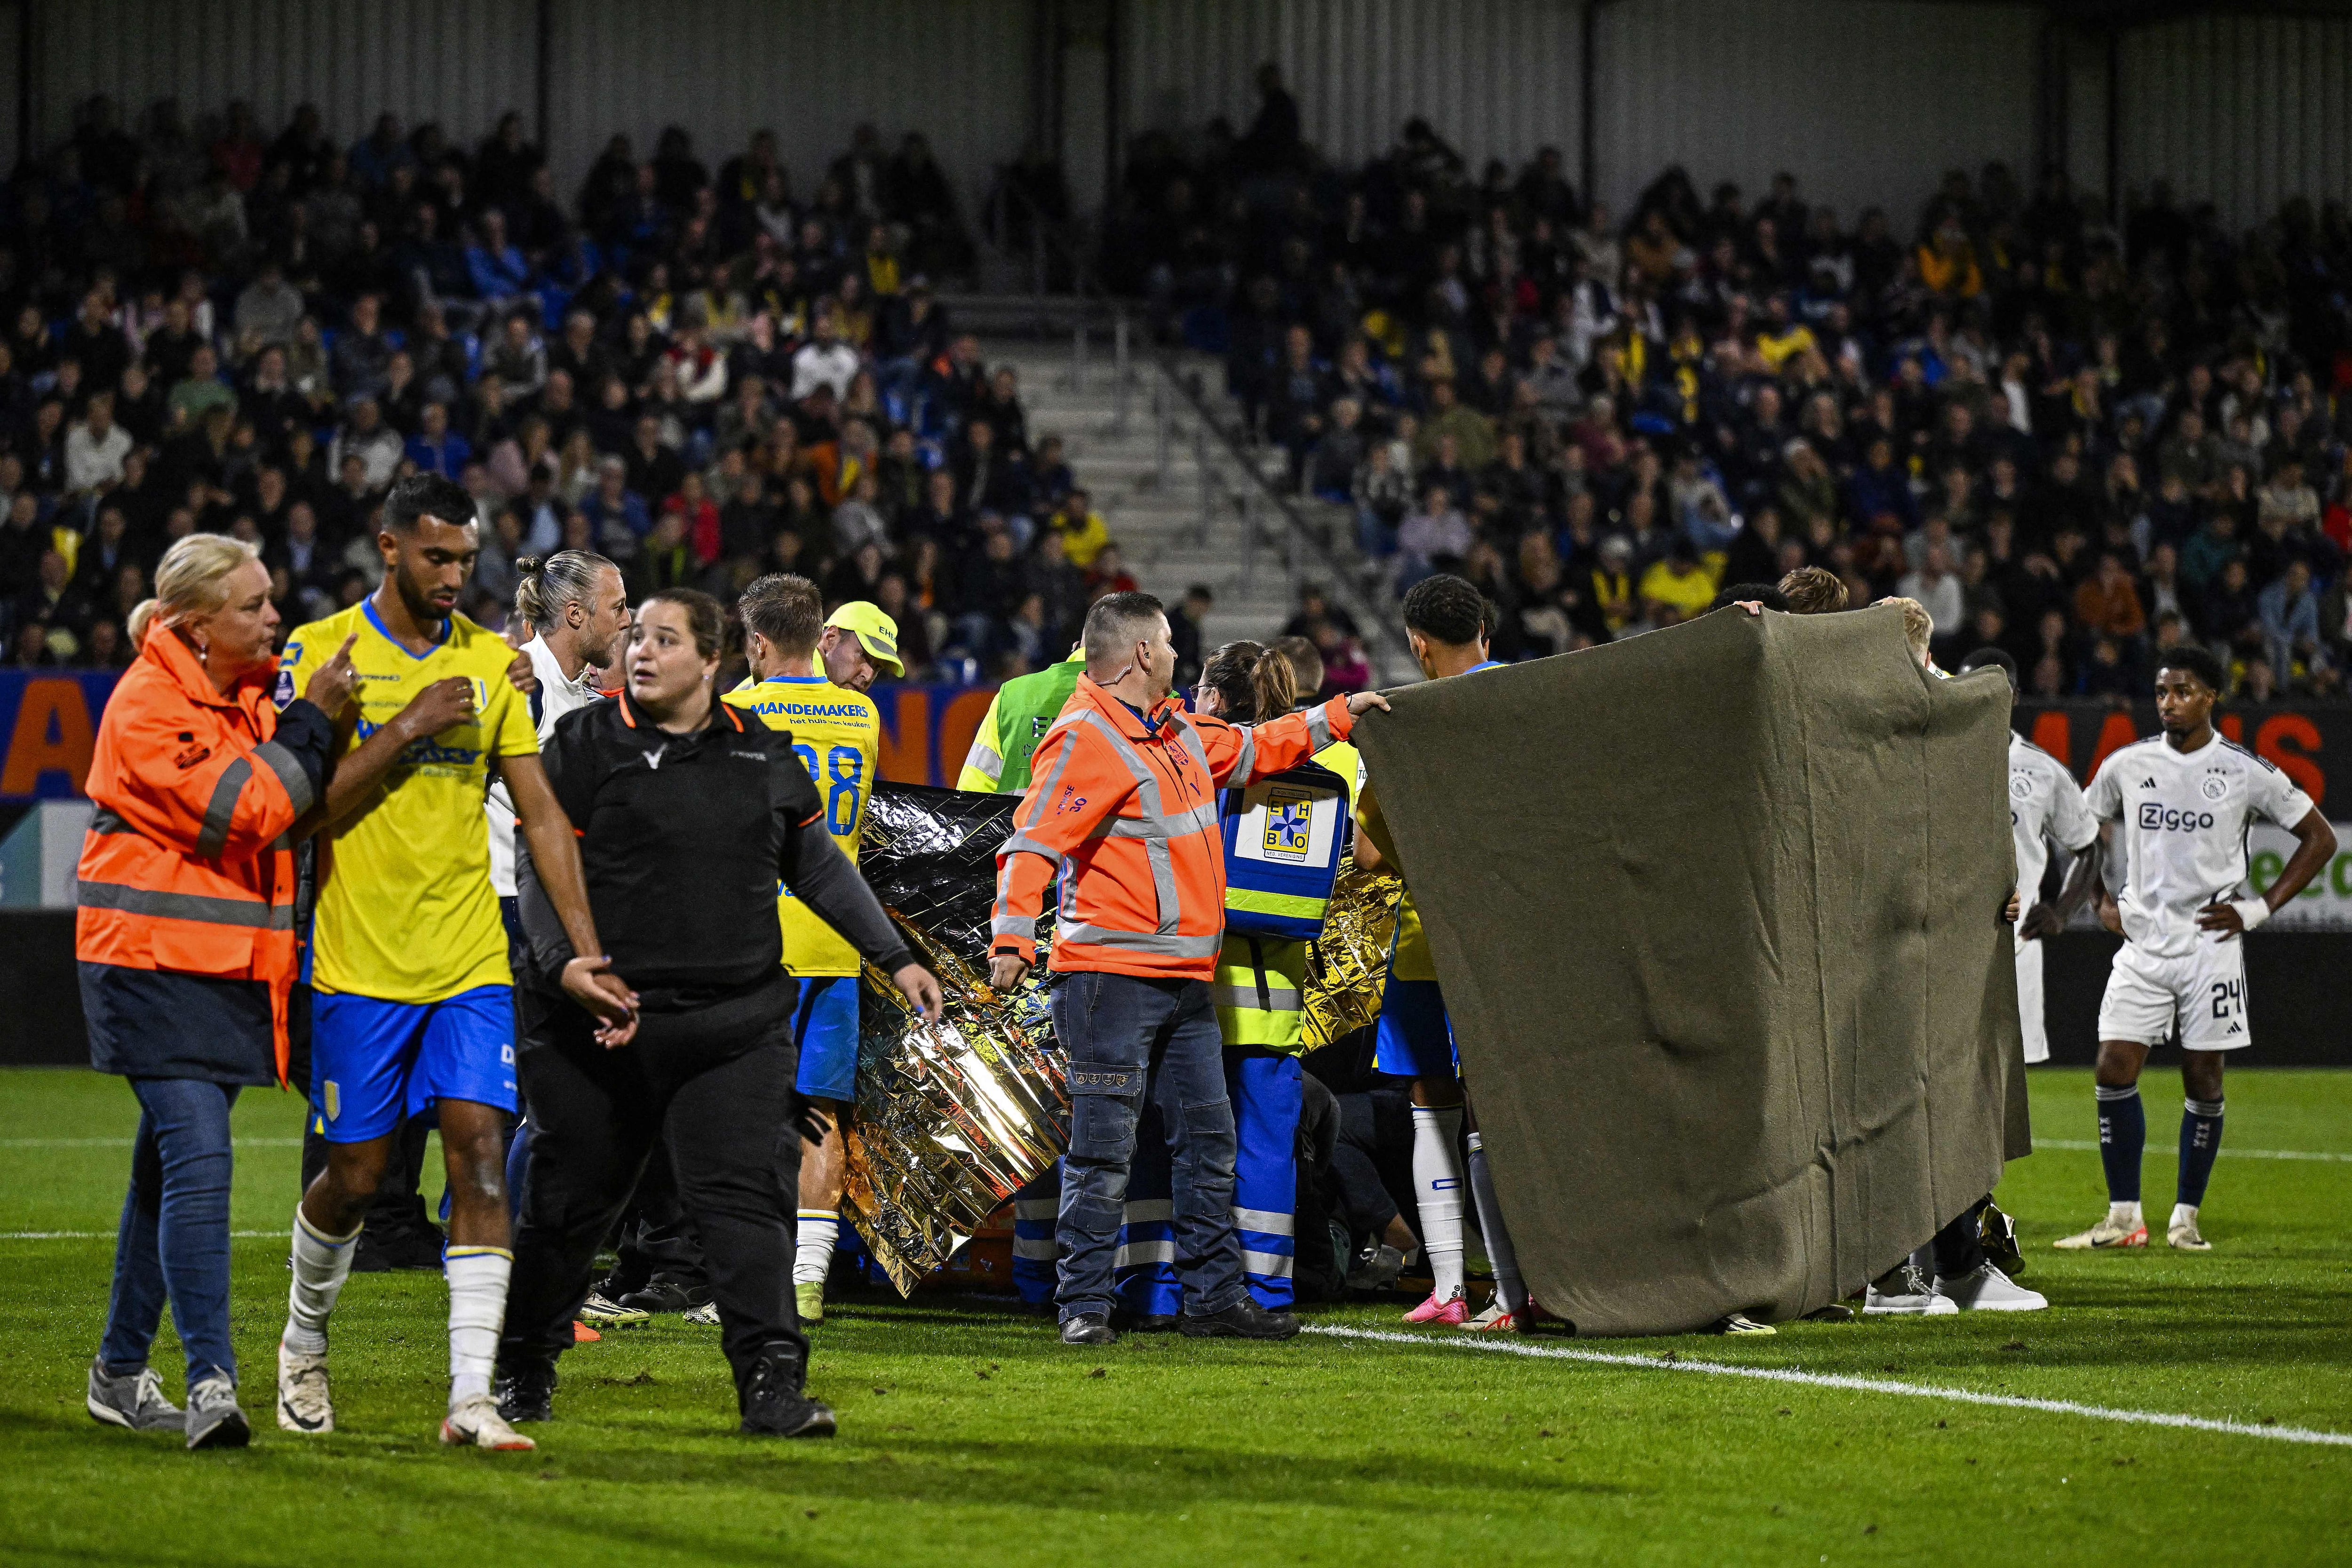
{"x":1130,"y":806}
{"x":186,"y":866}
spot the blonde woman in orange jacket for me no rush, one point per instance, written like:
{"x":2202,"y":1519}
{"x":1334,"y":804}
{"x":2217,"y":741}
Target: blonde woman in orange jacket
{"x":185,"y":937}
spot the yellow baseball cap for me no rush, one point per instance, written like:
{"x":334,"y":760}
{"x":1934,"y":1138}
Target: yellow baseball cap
{"x":875,"y":632}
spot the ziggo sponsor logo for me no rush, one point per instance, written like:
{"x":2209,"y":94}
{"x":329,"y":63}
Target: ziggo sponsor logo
{"x":2164,"y":818}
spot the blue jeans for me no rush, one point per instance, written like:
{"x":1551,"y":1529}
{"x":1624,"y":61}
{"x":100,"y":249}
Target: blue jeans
{"x":1130,"y":1038}
{"x":174,"y":1244}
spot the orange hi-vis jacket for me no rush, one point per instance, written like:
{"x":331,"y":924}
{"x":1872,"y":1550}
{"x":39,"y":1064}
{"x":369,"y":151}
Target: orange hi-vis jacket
{"x":1130,"y":805}
{"x":187,"y":867}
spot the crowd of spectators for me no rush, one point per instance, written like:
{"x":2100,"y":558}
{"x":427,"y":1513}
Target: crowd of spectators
{"x":703,"y":377}
{"x":2077,"y":441}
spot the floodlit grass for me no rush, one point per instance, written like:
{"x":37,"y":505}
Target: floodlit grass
{"x":969,"y":1435}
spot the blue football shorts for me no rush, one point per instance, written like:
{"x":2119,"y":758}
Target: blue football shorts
{"x":825,"y":1027}
{"x":373,"y":1063}
{"x":1416,"y":1038}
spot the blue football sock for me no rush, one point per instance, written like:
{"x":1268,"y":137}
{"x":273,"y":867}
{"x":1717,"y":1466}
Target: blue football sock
{"x":2123,"y":1138}
{"x":2201,"y":1140}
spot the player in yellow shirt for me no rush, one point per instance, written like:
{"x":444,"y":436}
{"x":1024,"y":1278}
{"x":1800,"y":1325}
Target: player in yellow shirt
{"x":414,"y":1004}
{"x":1444,"y":618}
{"x":809,"y":676}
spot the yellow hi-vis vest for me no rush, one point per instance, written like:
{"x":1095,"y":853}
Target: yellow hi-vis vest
{"x":1256,"y":993}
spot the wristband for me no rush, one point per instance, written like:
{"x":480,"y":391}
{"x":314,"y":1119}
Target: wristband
{"x":2251,"y":913}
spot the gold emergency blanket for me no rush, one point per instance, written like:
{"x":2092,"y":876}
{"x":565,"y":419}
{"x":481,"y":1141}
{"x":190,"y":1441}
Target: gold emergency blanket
{"x":951,"y":1119}
{"x":1347,"y":965}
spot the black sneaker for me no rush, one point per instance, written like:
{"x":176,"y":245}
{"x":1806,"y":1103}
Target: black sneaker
{"x":405,"y":1247}
{"x":666,"y":1296}
{"x":1244,"y":1320}
{"x":1087,"y":1329}
{"x":776,"y":1405}
{"x":527,"y":1392}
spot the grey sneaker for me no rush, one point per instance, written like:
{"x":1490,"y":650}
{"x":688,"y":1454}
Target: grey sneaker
{"x":213,"y":1419}
{"x":134,"y":1401}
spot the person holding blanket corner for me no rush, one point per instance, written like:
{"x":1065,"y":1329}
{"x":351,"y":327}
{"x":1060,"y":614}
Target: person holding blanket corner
{"x":1123,"y":806}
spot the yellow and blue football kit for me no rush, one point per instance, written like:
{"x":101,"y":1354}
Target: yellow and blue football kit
{"x":1415,"y":1039}
{"x":837,"y":735}
{"x":408,"y":951}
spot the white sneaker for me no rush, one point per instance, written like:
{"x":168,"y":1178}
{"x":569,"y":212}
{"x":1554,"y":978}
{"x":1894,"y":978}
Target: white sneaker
{"x":1988,"y":1291}
{"x":134,"y":1401}
{"x":2122,"y":1227}
{"x":2182,"y":1232}
{"x":705,"y":1316}
{"x":1495,"y":1318}
{"x":476,"y":1422}
{"x":305,"y":1404}
{"x":213,"y":1419}
{"x":1904,"y":1290}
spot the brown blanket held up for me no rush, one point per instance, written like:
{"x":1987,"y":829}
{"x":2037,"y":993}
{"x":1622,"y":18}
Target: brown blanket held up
{"x":1717,"y":912}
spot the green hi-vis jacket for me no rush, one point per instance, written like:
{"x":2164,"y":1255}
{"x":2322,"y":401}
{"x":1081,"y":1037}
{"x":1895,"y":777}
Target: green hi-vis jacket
{"x":1023,"y":709}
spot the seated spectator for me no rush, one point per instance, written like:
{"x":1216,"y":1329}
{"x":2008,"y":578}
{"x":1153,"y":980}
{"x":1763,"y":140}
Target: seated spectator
{"x":495,"y":267}
{"x":1383,"y":495}
{"x":2107,"y":604}
{"x":1080,"y":528}
{"x":367,"y":436}
{"x":1677,"y":588}
{"x":1108,"y":575}
{"x":1432,"y":539}
{"x":435,"y":448}
{"x":1937,"y":589}
{"x":1331,"y":466}
{"x":95,"y":449}
{"x":361,"y":352}
{"x":2289,"y":611}
{"x":825,"y":360}
{"x":615,"y":514}
{"x":201,"y":391}
{"x":517,"y":358}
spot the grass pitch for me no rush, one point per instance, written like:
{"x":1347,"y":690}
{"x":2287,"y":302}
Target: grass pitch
{"x":969,"y":1435}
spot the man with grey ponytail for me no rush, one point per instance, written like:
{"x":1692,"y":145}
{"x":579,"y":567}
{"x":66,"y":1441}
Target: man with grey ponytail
{"x":575,"y":606}
{"x":578,"y":611}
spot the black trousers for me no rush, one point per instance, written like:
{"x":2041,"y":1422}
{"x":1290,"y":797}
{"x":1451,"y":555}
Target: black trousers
{"x":713,"y":1078}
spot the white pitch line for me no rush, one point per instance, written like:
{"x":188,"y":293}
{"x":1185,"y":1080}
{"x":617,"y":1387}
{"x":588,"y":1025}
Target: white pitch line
{"x":126,"y":1143}
{"x":1853,"y":1385}
{"x":106,"y":1235}
{"x":2227,"y":1152}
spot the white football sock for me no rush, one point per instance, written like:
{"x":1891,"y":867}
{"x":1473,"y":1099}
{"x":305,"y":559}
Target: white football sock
{"x":2124,"y":1214}
{"x":812,"y":1254}
{"x":321,"y":1263}
{"x":1437,"y":1192}
{"x":477,"y":1310}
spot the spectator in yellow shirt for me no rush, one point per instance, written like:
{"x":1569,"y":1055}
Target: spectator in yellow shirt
{"x":1948,"y":262}
{"x":1781,"y":336}
{"x":1082,"y":531}
{"x":1678,"y":587}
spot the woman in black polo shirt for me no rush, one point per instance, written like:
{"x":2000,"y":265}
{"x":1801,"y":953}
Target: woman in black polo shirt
{"x":687,"y":817}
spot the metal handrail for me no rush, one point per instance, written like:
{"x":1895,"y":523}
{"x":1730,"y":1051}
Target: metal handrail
{"x":1388,"y":634}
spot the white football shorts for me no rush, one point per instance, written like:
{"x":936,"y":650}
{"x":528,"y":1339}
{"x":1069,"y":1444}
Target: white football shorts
{"x":2029,"y":1001}
{"x":2203,"y":991}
